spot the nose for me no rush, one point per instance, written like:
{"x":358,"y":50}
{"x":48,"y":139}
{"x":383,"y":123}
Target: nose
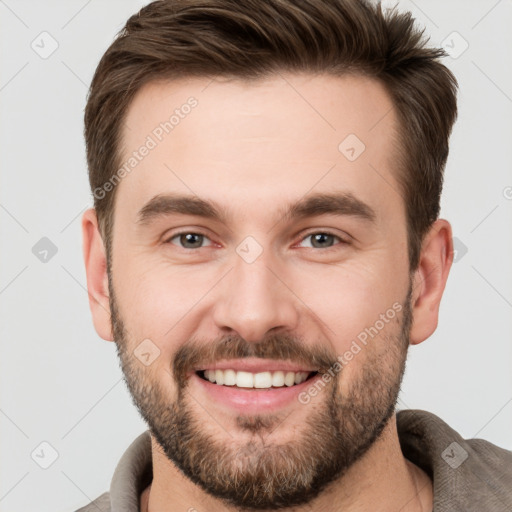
{"x":254,"y":299}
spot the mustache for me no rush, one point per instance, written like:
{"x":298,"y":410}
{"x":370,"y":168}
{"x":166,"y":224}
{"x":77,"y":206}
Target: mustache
{"x":279,"y":347}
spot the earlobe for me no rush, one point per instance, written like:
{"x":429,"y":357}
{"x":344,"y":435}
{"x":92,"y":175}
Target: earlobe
{"x":96,"y":271}
{"x":430,"y":279}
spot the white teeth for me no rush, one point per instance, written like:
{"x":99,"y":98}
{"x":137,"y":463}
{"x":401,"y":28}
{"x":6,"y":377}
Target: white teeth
{"x":262,"y":380}
{"x":244,"y":379}
{"x":289,"y":378}
{"x":229,"y":378}
{"x":300,"y":377}
{"x":219,"y":376}
{"x":278,"y":379}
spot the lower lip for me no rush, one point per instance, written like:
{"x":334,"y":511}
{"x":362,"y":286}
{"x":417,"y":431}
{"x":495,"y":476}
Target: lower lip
{"x":253,"y":400}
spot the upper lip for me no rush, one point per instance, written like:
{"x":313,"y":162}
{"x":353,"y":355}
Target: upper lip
{"x":256,"y":365}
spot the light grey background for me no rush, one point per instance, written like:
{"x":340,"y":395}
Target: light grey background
{"x":61,"y":384}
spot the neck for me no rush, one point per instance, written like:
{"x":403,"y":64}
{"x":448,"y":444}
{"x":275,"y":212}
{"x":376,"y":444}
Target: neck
{"x":364,"y":487}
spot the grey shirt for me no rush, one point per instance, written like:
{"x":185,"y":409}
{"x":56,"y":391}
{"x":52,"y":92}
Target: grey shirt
{"x":468,"y":475}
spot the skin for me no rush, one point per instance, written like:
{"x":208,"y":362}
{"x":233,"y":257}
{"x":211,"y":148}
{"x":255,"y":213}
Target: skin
{"x":254,"y":147}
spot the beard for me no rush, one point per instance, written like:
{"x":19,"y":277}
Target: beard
{"x":251,"y":469}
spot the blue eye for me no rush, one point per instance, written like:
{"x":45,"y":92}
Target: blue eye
{"x":189,"y":240}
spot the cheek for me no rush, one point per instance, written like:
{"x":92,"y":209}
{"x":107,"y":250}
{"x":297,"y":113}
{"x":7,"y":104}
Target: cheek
{"x":346,"y":300}
{"x":157,"y":301}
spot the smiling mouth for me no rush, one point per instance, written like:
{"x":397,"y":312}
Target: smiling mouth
{"x":260,"y":380}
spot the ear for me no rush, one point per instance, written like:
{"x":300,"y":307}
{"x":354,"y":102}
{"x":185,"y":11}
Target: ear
{"x":96,"y":270}
{"x":430,"y":279}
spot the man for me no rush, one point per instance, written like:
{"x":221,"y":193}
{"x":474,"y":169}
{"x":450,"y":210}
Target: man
{"x":264,"y":247}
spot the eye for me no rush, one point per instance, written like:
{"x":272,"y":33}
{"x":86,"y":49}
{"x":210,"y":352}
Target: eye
{"x":323,"y":239}
{"x":188,"y":240}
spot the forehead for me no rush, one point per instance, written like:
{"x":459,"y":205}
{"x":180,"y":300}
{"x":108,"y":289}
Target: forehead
{"x":248,"y":142}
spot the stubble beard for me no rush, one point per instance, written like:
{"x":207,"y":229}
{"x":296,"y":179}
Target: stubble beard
{"x":257,"y":472}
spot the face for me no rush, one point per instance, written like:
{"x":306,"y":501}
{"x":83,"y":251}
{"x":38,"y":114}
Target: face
{"x":259,"y":281}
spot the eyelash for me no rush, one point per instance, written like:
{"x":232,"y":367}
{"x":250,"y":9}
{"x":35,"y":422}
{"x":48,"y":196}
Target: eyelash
{"x":328,"y":233}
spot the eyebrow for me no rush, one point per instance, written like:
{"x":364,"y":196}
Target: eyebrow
{"x":343,"y":204}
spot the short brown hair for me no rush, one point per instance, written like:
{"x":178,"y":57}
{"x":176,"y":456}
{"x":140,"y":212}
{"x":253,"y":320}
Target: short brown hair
{"x":253,"y":38}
